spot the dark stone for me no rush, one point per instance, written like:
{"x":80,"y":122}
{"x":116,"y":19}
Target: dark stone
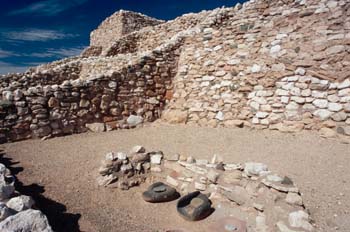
{"x":160,"y":192}
{"x":194,"y":206}
{"x":5,"y":104}
{"x":287,"y":181}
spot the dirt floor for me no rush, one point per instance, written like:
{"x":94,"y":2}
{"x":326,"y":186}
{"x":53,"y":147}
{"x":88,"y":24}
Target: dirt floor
{"x":60,"y":174}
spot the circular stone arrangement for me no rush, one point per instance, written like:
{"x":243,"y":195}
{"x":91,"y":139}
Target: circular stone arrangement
{"x":249,"y":197}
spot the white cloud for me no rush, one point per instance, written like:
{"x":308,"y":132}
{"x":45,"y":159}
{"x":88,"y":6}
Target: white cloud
{"x":11,"y":68}
{"x":58,"y":53}
{"x":48,"y":7}
{"x":36,"y":35}
{"x":4,"y":53}
{"x":65,"y":52}
{"x":6,"y":67}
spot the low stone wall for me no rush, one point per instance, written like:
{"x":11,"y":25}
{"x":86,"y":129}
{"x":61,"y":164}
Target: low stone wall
{"x":69,"y":107}
{"x":258,"y":198}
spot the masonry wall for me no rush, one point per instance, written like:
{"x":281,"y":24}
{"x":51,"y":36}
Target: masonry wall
{"x":66,"y":108}
{"x":119,"y":24}
{"x":268,"y":69}
{"x":281,"y":65}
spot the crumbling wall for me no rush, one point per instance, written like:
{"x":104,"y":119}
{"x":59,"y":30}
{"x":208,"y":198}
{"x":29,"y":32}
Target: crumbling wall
{"x":264,"y":64}
{"x":119,"y":24}
{"x":66,"y":108}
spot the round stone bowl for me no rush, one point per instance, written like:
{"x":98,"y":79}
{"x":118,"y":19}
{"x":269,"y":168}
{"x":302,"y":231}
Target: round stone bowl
{"x":194,"y":206}
{"x":160,"y":192}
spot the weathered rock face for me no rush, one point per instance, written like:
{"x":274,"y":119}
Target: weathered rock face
{"x":267,"y":64}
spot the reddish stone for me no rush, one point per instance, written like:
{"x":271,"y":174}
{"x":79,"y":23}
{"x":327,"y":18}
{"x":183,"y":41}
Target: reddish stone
{"x":108,"y":119}
{"x":168,"y":94}
{"x":112,"y":124}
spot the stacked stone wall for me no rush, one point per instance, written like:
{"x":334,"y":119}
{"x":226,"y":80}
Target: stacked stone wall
{"x":264,"y":64}
{"x":270,"y":69}
{"x":68,"y":107}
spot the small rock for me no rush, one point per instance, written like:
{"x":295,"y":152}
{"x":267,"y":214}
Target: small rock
{"x":216,"y":159}
{"x":344,"y":84}
{"x":274,"y":178}
{"x":335,"y":107}
{"x":156,"y":158}
{"x":137,"y":149}
{"x":20,"y":203}
{"x":175,"y":116}
{"x":238,"y":195}
{"x":283,"y":228}
{"x":134,"y":120}
{"x":106,"y":180}
{"x":172,"y":181}
{"x":200,"y":186}
{"x":327,"y":133}
{"x":344,"y":130}
{"x":255,"y":169}
{"x":339,"y":117}
{"x":322,"y":114}
{"x":220,"y":116}
{"x":213,"y":176}
{"x":96,"y":127}
{"x":294,"y":199}
{"x":190,"y":160}
{"x":156,"y":169}
{"x":202,"y":162}
{"x":26,"y":221}
{"x":300,"y":219}
{"x":110,"y":156}
{"x":121,"y":156}
{"x":261,"y":223}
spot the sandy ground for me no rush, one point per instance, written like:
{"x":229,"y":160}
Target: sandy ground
{"x":60,"y":174}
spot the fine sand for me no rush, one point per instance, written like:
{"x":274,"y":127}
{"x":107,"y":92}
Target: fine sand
{"x":60,"y":173}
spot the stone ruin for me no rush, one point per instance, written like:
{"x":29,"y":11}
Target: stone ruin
{"x":260,"y":198}
{"x":17,"y":212}
{"x":266,"y":64}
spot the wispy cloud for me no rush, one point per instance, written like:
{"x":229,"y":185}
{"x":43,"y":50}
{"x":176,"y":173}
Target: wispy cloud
{"x":33,"y":34}
{"x":4,"y":53}
{"x":47,"y":7}
{"x":12,"y":68}
{"x":49,"y":54}
{"x":65,"y":52}
{"x":57,"y":53}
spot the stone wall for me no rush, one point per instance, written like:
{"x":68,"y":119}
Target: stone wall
{"x":264,"y":64}
{"x":119,"y":24}
{"x":269,"y":69}
{"x":70,"y":107}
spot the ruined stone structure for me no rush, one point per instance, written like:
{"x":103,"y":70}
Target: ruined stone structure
{"x":115,"y":27}
{"x":265,"y":64}
{"x":264,"y":200}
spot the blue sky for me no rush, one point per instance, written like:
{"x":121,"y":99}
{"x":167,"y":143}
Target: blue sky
{"x":33,"y":32}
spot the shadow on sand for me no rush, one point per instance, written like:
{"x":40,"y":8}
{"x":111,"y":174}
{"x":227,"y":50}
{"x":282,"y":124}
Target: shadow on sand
{"x":59,"y":219}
